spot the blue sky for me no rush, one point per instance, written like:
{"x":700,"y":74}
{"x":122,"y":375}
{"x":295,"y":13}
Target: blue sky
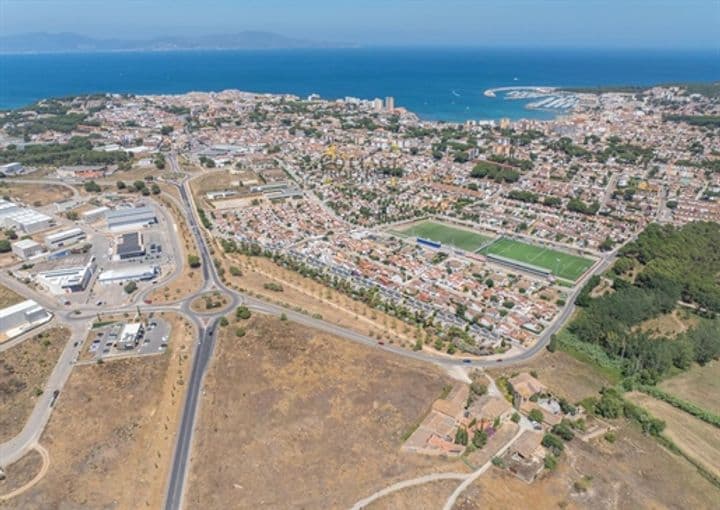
{"x":550,"y":23}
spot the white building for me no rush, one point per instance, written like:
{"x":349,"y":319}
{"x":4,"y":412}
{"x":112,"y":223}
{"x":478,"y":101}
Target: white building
{"x":130,"y":218}
{"x":27,"y":220}
{"x":64,"y":238}
{"x":129,"y":335}
{"x":94,"y":214}
{"x":132,"y":273}
{"x":22,"y":316}
{"x":27,"y":248}
{"x":67,"y":279}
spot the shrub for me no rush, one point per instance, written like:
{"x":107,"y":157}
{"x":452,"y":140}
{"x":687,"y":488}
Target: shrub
{"x":242,"y":312}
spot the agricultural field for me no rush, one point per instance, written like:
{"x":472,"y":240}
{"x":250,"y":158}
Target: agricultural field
{"x":560,"y":264}
{"x":693,"y":436}
{"x":699,"y":385}
{"x":446,"y":234}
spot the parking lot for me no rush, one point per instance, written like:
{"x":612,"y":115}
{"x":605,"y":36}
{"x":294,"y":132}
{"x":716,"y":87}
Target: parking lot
{"x":106,"y":342}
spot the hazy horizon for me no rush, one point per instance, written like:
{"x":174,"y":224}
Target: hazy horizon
{"x":606,"y":24}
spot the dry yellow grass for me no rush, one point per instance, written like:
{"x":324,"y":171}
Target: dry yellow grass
{"x":564,"y":375}
{"x":635,"y":472}
{"x":670,"y":324}
{"x":9,"y":297}
{"x":24,"y":369}
{"x":315,"y":298}
{"x":111,"y":436}
{"x":699,"y":385}
{"x":297,"y":419}
{"x":36,"y":195}
{"x":698,"y":439}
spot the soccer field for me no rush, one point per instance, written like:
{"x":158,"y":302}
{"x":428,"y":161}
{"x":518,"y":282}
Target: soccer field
{"x":445,"y":234}
{"x":561,"y":264}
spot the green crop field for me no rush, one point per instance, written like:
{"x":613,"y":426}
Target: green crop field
{"x":445,"y":234}
{"x":561,"y":264}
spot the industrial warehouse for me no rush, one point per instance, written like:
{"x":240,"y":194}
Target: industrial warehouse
{"x":20,"y":317}
{"x":130,"y":218}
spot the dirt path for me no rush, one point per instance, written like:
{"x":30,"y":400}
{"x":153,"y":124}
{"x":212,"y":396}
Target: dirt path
{"x":43,"y":470}
{"x":405,"y":484}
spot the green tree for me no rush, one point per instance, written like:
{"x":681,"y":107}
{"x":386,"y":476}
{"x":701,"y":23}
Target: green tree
{"x":461,"y":436}
{"x":536,"y":415}
{"x":480,"y":438}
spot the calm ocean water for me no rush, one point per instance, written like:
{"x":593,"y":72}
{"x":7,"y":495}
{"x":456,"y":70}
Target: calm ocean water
{"x":442,"y":84}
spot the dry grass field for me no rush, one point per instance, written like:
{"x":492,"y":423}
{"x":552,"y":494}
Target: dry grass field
{"x":293,"y":418}
{"x":36,"y":195}
{"x":670,"y":324}
{"x":314,"y":298}
{"x":111,"y":436}
{"x":9,"y":297}
{"x":632,"y":473}
{"x":699,"y":385}
{"x":698,"y":439}
{"x":564,"y":375}
{"x":430,"y":496}
{"x":24,"y":369}
{"x":20,"y":473}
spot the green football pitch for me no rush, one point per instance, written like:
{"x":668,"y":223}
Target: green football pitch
{"x":561,"y":264}
{"x":445,"y":234}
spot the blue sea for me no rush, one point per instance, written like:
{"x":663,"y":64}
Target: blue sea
{"x":440,"y":84}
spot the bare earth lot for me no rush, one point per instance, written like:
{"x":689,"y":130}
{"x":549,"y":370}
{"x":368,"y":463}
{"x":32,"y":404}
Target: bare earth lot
{"x":24,"y":369}
{"x":20,"y":473}
{"x":633,"y":473}
{"x":36,"y":195}
{"x":698,"y":439}
{"x":699,"y":385}
{"x":293,"y":418}
{"x":110,"y":439}
{"x":431,"y":496}
{"x":563,"y":374}
{"x":9,"y":297}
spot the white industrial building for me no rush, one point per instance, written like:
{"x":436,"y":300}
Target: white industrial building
{"x":129,"y":335}
{"x":67,"y":279}
{"x":132,"y":273}
{"x":94,"y":214}
{"x":64,"y":238}
{"x":22,"y":316}
{"x":24,"y":219}
{"x":27,"y":248}
{"x":130,"y":218}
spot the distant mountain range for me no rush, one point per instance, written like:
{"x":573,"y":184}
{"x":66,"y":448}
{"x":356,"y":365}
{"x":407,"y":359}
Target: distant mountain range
{"x":42,"y":42}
